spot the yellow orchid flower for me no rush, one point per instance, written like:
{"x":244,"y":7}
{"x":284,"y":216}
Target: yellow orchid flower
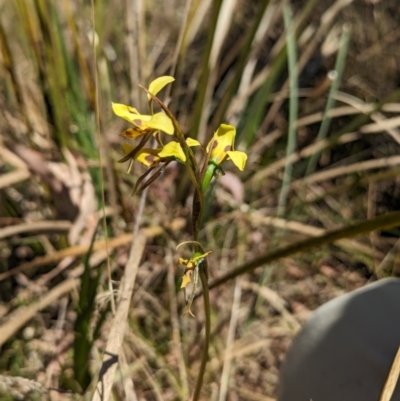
{"x":143,"y":123}
{"x":192,"y":272}
{"x":171,"y":151}
{"x":191,"y":264}
{"x":221,"y":147}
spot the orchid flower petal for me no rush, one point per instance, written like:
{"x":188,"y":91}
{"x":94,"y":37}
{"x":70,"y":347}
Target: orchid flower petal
{"x":173,"y":149}
{"x":162,"y":122}
{"x":186,"y":278}
{"x":126,"y":112}
{"x":158,"y":84}
{"x":222,"y":142}
{"x":149,"y":157}
{"x":238,"y":158}
{"x":221,"y":147}
{"x":143,"y":122}
{"x":192,"y":142}
{"x":132,"y":133}
{"x":127,"y":148}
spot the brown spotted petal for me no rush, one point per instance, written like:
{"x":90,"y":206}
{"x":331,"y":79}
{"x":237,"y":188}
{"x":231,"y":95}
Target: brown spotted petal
{"x":148,"y":157}
{"x":143,"y":122}
{"x":221,"y":147}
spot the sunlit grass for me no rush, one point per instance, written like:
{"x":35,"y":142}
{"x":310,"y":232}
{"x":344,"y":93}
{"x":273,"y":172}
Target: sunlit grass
{"x":322,"y":159}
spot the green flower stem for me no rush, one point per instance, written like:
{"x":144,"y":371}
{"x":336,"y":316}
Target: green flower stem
{"x":203,"y":273}
{"x":197,"y":213}
{"x":208,"y":175}
{"x":207,"y":313}
{"x":198,"y":199}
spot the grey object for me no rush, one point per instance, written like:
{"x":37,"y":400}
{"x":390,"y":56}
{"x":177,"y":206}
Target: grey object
{"x":345,"y":351}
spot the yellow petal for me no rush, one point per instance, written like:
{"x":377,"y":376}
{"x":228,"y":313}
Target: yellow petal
{"x":159,"y":84}
{"x":182,"y":261}
{"x":124,"y":111}
{"x":132,"y":133}
{"x":186,"y":279}
{"x":148,"y":157}
{"x":222,"y":142}
{"x":197,"y":259}
{"x":158,"y":121}
{"x":238,"y":158}
{"x":162,"y":122}
{"x":192,"y":142}
{"x":140,"y":120}
{"x":173,"y":149}
{"x":127,"y":148}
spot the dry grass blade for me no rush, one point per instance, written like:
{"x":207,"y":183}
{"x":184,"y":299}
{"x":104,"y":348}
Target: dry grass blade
{"x":386,"y":221}
{"x":79,"y":250}
{"x":251,"y":396}
{"x":385,"y":125}
{"x":13,"y":177}
{"x":243,"y":348}
{"x":35,"y":227}
{"x":319,"y":146}
{"x":19,"y":388}
{"x":392,"y":379}
{"x":305,"y":152}
{"x":342,"y":111}
{"x":276,"y":302}
{"x":345,"y":170}
{"x":10,"y":157}
{"x":116,"y":336}
{"x":61,"y":66}
{"x":22,"y":315}
{"x":352,"y":245}
{"x":29,"y":294}
{"x":376,"y":116}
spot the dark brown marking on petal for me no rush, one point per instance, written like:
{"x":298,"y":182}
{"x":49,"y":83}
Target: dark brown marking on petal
{"x":214,"y":144}
{"x":131,"y":133}
{"x":228,"y":148}
{"x":150,"y":158}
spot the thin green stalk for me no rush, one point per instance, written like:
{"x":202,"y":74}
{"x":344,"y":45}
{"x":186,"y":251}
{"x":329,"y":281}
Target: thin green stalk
{"x":293,"y":107}
{"x":197,"y":215}
{"x":330,"y":104}
{"x":207,"y":334}
{"x":255,"y":111}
